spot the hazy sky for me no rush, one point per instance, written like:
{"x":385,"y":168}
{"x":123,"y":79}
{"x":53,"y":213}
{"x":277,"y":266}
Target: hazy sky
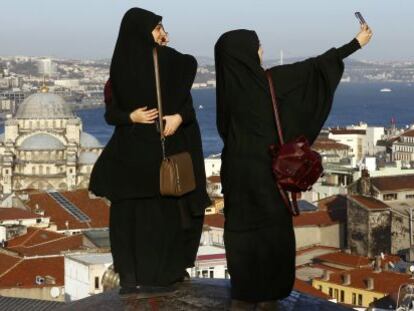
{"x":88,"y":28}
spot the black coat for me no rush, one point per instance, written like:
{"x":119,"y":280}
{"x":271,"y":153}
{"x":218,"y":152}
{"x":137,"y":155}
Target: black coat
{"x":129,"y":164}
{"x":245,"y":121}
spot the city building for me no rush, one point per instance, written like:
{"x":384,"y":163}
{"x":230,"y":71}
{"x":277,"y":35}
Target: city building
{"x":44,"y":147}
{"x":83,"y":274}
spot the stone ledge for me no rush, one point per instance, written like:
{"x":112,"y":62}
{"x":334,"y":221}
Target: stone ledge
{"x":199,"y":294}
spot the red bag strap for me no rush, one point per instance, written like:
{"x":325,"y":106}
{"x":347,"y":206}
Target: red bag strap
{"x":275,"y":108}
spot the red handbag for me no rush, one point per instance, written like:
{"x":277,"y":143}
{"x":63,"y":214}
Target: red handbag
{"x":296,"y":167}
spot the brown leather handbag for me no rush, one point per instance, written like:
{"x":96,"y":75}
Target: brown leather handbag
{"x":176,"y":171}
{"x":296,"y":167}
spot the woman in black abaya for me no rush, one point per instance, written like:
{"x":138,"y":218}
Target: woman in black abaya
{"x":153,"y":238}
{"x":258,"y":234}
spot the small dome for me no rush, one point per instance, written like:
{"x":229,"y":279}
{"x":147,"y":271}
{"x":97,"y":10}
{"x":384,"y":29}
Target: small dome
{"x":44,"y":106}
{"x":89,"y":141}
{"x":41,"y":142}
{"x":88,"y":157}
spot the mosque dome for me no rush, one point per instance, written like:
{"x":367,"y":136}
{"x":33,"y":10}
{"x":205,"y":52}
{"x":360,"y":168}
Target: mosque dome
{"x":44,"y":105}
{"x":89,"y":141}
{"x":41,"y":141}
{"x":88,"y":158}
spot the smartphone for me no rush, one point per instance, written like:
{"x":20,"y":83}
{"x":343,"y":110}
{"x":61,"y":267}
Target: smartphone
{"x":360,"y":18}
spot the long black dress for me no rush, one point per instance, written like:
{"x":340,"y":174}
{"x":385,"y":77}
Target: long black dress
{"x":258,"y":235}
{"x":148,"y":243}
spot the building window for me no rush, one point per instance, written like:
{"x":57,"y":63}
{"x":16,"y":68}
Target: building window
{"x":330,"y":291}
{"x":409,"y":196}
{"x":390,"y":196}
{"x":96,"y":282}
{"x":359,"y":299}
{"x":342,"y":296}
{"x":353,"y":298}
{"x":320,"y":287}
{"x":336,"y":293}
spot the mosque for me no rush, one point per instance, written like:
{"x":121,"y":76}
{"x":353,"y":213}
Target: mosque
{"x":44,"y":147}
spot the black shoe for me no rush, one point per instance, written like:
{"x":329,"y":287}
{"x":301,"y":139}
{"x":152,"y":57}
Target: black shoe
{"x":128,"y":292}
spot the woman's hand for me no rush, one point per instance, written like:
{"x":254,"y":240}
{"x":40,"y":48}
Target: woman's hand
{"x":142,"y":115}
{"x":364,"y":36}
{"x":172,"y":123}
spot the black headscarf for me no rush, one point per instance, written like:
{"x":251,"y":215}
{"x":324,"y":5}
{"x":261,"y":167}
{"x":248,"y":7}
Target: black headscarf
{"x":132,"y":67}
{"x":241,"y":82}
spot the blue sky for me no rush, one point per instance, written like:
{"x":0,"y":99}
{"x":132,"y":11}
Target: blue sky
{"x":88,"y":28}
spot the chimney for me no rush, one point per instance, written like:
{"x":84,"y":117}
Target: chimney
{"x":346,"y":279}
{"x":325,"y":275}
{"x":377,"y":264}
{"x":369,"y":283}
{"x":365,"y":183}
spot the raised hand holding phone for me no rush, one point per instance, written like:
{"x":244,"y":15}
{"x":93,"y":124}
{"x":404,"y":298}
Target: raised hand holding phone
{"x":365,"y":34}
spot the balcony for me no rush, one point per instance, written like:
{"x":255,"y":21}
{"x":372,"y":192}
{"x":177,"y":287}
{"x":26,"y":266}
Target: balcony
{"x":199,"y":294}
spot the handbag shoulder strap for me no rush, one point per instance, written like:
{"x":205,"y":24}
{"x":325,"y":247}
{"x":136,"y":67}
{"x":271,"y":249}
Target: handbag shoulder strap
{"x":159,"y":99}
{"x":275,"y":108}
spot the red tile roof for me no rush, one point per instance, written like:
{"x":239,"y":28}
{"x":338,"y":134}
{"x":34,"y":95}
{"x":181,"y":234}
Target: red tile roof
{"x":33,"y":237}
{"x":96,"y":209}
{"x":393,"y":183}
{"x":7,"y":262}
{"x":409,"y":133}
{"x":214,"y":179}
{"x":384,"y":282}
{"x":369,"y":202}
{"x":215,"y":220}
{"x":24,"y":273}
{"x":211,"y":257}
{"x":328,"y":144}
{"x":345,"y":131}
{"x":16,"y":213}
{"x":39,"y":242}
{"x":344,"y":259}
{"x":314,"y":248}
{"x":332,"y":202}
{"x":304,"y":287}
{"x":319,"y":218}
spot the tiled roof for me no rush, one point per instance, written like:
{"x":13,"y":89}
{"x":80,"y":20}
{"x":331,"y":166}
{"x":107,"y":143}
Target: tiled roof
{"x":33,"y":237}
{"x":315,"y":248}
{"x":304,"y":287}
{"x":24,"y":273}
{"x":23,"y":304}
{"x":393,"y":183}
{"x":38,"y":242}
{"x":214,"y":179}
{"x":319,"y":218}
{"x":384,"y":281}
{"x":7,"y":262}
{"x":96,"y":209}
{"x":344,"y":259}
{"x":331,"y":202}
{"x":328,"y":144}
{"x":216,"y":220}
{"x":369,"y":202}
{"x":409,"y":133}
{"x":344,"y":131}
{"x":16,"y":213}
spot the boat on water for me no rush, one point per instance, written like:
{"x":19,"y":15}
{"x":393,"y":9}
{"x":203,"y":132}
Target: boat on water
{"x":201,"y":107}
{"x":385,"y":90}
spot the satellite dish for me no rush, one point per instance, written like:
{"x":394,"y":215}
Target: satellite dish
{"x":54,"y":292}
{"x":411,"y":268}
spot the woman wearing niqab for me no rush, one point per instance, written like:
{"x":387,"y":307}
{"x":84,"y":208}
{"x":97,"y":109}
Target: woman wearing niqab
{"x":153,"y":238}
{"x":258,"y":234}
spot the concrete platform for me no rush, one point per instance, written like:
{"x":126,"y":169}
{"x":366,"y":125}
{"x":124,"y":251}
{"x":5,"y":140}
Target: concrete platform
{"x":198,"y":294}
